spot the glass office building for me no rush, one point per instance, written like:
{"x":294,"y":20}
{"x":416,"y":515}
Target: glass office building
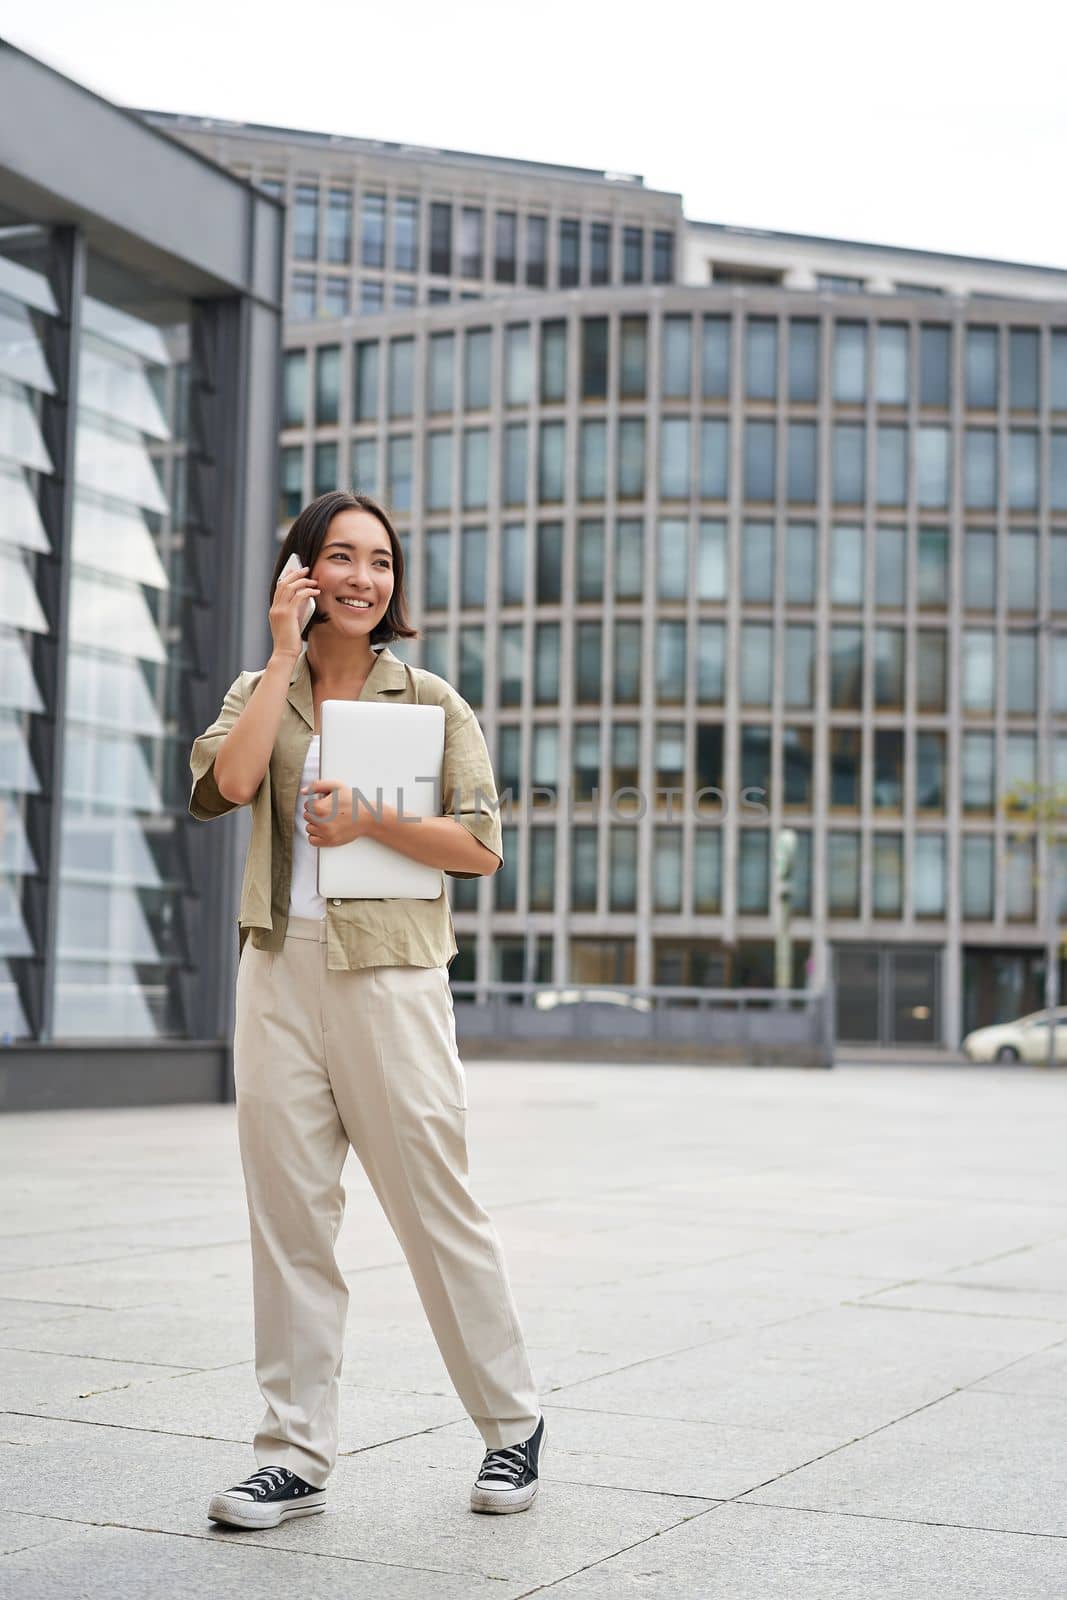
{"x":133,"y":469}
{"x":718,"y":532}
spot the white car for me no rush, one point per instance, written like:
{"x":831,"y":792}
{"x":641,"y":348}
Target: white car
{"x":1024,"y":1040}
{"x":548,"y":999}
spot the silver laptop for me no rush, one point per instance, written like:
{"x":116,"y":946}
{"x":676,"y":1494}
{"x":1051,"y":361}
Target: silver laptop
{"x":391,"y":754}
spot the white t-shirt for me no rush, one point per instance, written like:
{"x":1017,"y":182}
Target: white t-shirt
{"x":304,"y":897}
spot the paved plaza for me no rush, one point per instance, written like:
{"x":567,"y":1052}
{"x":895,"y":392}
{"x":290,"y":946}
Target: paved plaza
{"x":797,"y":1334}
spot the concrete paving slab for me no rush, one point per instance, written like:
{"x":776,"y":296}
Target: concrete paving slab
{"x":1044,"y":1373}
{"x":750,"y":1552}
{"x":976,"y":1459}
{"x":35,"y":1381}
{"x":101,"y":1563}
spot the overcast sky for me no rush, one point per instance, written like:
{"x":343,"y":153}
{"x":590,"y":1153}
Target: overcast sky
{"x":925,"y":122}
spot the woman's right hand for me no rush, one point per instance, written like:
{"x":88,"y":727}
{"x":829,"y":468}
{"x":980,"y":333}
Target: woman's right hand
{"x":290,"y":597}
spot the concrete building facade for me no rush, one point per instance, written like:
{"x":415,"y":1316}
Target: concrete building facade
{"x":719,"y":531}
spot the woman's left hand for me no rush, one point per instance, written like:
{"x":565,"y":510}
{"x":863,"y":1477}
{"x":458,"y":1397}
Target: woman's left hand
{"x":329,"y":817}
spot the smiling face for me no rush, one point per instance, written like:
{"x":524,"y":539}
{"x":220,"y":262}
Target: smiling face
{"x":355,"y":564}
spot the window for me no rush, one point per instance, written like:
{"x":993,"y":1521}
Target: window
{"x":849,"y":462}
{"x":401,"y":377}
{"x":294,"y":389}
{"x":797,"y":767}
{"x":594,"y":358}
{"x":551,"y":461}
{"x":441,"y":384}
{"x":622,"y":845}
{"x":327,"y":384}
{"x":1023,"y":358}
{"x":707,"y":870}
{"x":600,"y":253}
{"x":887,"y":787}
{"x":846,"y":565}
{"x":629,"y":548}
{"x":892,"y":465}
{"x":292,"y":482}
{"x":800,"y":563}
{"x":714,"y":458}
{"x":929,"y":770}
{"x":890,"y":553}
{"x":436,"y":569}
{"x":761,"y":358}
{"x":711,"y":663}
{"x":627,"y":662}
{"x":845,"y":769}
{"x":662,"y":257}
{"x":372,"y":253}
{"x":843,"y":874}
{"x":980,"y":468}
{"x":981,"y":368}
{"x":677,"y":357}
{"x":803,"y":359}
{"x":850,"y":362}
{"x":406,"y":233}
{"x":977,"y":871}
{"x":933,"y":365}
{"x":306,"y":222}
{"x":667,"y":869}
{"x":979,"y":570}
{"x":1022,"y":469}
{"x":801,"y":463}
{"x":839,"y":282}
{"x":891,"y":364}
{"x":1022,"y":570}
{"x":505,"y":246}
{"x":471,"y":242}
{"x":753,"y":870}
{"x":633,"y":250}
{"x":371,"y":296}
{"x":674,"y":458}
{"x":931,"y":670}
{"x":536,"y":251}
{"x":398,"y":472}
{"x":932,"y":574}
{"x":471,"y":682}
{"x":472,"y":569}
{"x":846,"y":668}
{"x":928,"y":875}
{"x":932,"y":466}
{"x":588,"y":653}
{"x":711,"y":560}
{"x":366,"y":396}
{"x":570,"y":252}
{"x":549,"y":566}
{"x":1021,"y":673}
{"x":800,"y":664}
{"x":511,"y":664}
{"x":715,"y":358}
{"x":516,"y":452}
{"x":977,"y":669}
{"x":590,"y":559}
{"x":757,"y":663}
{"x":542,"y":868}
{"x":633,"y":339}
{"x":513,"y":564}
{"x":518,"y":364}
{"x":1058,"y":375}
{"x":477,"y":368}
{"x":440,"y":239}
{"x":887,"y":874}
{"x":335,"y":297}
{"x":365,"y":466}
{"x":584,"y":869}
{"x":475,"y":468}
{"x":759,"y":460}
{"x":438,"y":471}
{"x":757,"y":562}
{"x":339,"y":226}
{"x":592,"y":460}
{"x":672,"y":559}
{"x":546,"y":663}
{"x":302,"y":297}
{"x":553,"y":361}
{"x":631,"y":459}
{"x":889,"y":669}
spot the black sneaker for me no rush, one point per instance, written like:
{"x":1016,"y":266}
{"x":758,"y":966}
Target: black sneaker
{"x":267,"y":1498}
{"x":508,"y":1479}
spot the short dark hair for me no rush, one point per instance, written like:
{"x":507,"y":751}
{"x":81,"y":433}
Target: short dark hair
{"x":305,"y":540}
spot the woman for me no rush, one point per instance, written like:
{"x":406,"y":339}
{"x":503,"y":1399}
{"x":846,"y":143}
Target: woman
{"x":344,"y":1031}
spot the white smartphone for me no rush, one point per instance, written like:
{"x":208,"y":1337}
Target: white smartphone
{"x":293,"y":562}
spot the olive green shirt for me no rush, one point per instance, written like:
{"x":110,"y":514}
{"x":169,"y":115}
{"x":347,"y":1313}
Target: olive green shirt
{"x":359,"y":933}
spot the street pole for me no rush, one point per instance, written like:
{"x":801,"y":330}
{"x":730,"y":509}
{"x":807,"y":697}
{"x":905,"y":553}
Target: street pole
{"x":784,"y":856}
{"x":1051,"y":886}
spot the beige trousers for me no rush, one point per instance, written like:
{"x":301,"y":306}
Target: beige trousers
{"x":324,"y":1060}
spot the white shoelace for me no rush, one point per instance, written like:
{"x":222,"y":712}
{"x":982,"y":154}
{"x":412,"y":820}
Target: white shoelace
{"x":262,"y":1482}
{"x":508,"y":1463}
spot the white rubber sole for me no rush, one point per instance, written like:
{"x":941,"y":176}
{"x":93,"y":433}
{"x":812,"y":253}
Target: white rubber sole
{"x":243,"y":1514}
{"x":495,"y":1501}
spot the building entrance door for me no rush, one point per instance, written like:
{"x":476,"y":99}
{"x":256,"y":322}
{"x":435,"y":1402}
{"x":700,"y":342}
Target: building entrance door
{"x":887,"y":994}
